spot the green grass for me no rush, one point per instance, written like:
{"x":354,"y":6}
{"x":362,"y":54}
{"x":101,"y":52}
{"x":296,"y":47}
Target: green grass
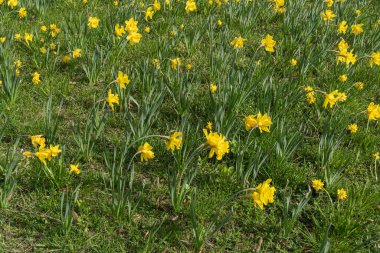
{"x":305,"y":142}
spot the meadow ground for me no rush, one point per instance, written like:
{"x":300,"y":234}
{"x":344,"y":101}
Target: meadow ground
{"x":189,"y":126}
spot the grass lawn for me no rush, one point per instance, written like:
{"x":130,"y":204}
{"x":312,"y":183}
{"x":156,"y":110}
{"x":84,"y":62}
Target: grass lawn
{"x":189,"y":126}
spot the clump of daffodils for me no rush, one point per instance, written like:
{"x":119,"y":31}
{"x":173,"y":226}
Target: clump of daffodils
{"x":262,"y":122}
{"x":43,"y":152}
{"x":332,"y":98}
{"x":344,"y":55}
{"x":131,"y":28}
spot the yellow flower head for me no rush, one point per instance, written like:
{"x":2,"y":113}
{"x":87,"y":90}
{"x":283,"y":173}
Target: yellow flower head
{"x":293,"y":62}
{"x":342,"y":28}
{"x":131,"y":25}
{"x":54,"y":30}
{"x":376,"y":155}
{"x":373,"y":111}
{"x":329,"y":2}
{"x":279,"y":6}
{"x":93,"y":22}
{"x":43,"y":50}
{"x":328,"y":15}
{"x":174,"y":142}
{"x":213,"y":88}
{"x":119,"y":30}
{"x":342,"y":78}
{"x":55,"y":150}
{"x":342,"y":194}
{"x":22,"y":13}
{"x":238,"y":42}
{"x":264,"y":194}
{"x":28,"y":38}
{"x":134,"y":38}
{"x":146,"y":152}
{"x":36,"y":78}
{"x":122,"y":79}
{"x":27,"y":154}
{"x":263,"y":122}
{"x":375,"y":59}
{"x":77,"y":53}
{"x":191,"y":6}
{"x":343,"y":45}
{"x":74,"y":168}
{"x":310,"y":95}
{"x":346,"y":57}
{"x":317,"y":184}
{"x":359,"y":85}
{"x":156,"y":63}
{"x":175,"y":63}
{"x":357,"y":29}
{"x":38,"y":140}
{"x":149,"y":14}
{"x":269,"y":43}
{"x":333,"y":97}
{"x":217,"y":143}
{"x":112,"y":99}
{"x":66,"y":59}
{"x":358,"y":12}
{"x":2,"y":40}
{"x":12,"y":3}
{"x":353,"y":128}
{"x":43,"y":154}
{"x":18,"y":63}
{"x":156,"y":5}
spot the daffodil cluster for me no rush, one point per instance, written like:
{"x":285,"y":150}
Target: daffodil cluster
{"x":133,"y":35}
{"x":44,"y":153}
